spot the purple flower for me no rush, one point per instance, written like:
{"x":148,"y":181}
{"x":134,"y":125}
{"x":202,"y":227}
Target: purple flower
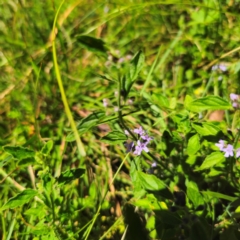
{"x":146,"y":138}
{"x":220,"y":145}
{"x":238,"y":152}
{"x":235,"y":105}
{"x":139,"y":131}
{"x":220,"y":66}
{"x":140,"y":147}
{"x":154,"y":164}
{"x":234,"y":97}
{"x":228,"y":150}
{"x":105,"y":102}
{"x":129,"y":146}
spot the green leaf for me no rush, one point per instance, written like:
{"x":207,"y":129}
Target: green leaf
{"x":218,"y":195}
{"x":136,"y":226}
{"x":136,"y":65}
{"x":86,"y":124}
{"x":212,"y":160}
{"x":229,"y":233}
{"x":160,"y":100}
{"x":70,"y":175}
{"x":114,"y":137}
{"x":47,"y":148}
{"x":150,"y":202}
{"x":167,"y":217}
{"x":193,"y":145}
{"x":37,"y":211}
{"x":92,"y":44}
{"x":26,"y":161}
{"x":6,"y":160}
{"x":132,"y":74}
{"x":24,"y":197}
{"x":207,"y":128}
{"x":198,"y":231}
{"x":19,"y":152}
{"x":150,"y":182}
{"x":208,"y":103}
{"x":193,"y":194}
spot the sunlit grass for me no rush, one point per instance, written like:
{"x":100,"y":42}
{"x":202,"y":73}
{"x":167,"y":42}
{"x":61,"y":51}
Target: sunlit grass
{"x":51,"y":83}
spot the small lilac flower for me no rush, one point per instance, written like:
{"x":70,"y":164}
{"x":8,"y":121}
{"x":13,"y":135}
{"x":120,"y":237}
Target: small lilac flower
{"x":214,"y":67}
{"x":140,"y":147}
{"x":129,"y":57}
{"x":220,"y":145}
{"x":116,"y":109}
{"x":130,"y":101}
{"x":228,"y":150}
{"x":139,"y":131}
{"x":154,"y":164}
{"x":234,"y":97}
{"x":129,"y":146}
{"x":105,"y":102}
{"x":146,"y":138}
{"x":238,"y":152}
{"x":120,"y":60}
{"x":222,"y":67}
{"x":235,"y":105}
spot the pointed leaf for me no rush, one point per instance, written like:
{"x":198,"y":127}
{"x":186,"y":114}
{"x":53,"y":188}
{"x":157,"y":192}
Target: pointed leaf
{"x":208,"y":103}
{"x":132,"y":74}
{"x":150,"y":182}
{"x":193,"y":194}
{"x":47,"y":148}
{"x":114,"y":137}
{"x":193,"y":145}
{"x":19,"y":152}
{"x":136,"y":66}
{"x":6,"y":160}
{"x":92,"y":44}
{"x":218,"y":195}
{"x":70,"y":175}
{"x":212,"y":160}
{"x":24,"y":197}
{"x":207,"y":128}
{"x":86,"y":124}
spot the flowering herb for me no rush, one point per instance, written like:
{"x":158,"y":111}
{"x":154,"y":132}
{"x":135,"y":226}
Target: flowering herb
{"x":220,"y":66}
{"x":228,"y":149}
{"x":235,"y":100}
{"x":142,"y":141}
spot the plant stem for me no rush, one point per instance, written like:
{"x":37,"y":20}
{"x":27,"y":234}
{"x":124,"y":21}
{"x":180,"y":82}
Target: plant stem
{"x":61,"y":88}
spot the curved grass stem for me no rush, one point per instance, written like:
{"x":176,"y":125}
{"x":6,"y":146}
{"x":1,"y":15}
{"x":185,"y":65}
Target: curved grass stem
{"x":61,"y":88}
{"x":104,"y":196}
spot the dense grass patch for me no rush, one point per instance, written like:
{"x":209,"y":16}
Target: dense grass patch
{"x":119,"y":120}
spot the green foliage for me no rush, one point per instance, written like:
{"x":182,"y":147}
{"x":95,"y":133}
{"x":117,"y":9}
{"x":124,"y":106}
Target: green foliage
{"x":19,"y":152}
{"x":67,"y":164}
{"x":114,"y":137}
{"x":24,"y":197}
{"x":208,"y":103}
{"x":70,"y":175}
{"x":92,"y":44}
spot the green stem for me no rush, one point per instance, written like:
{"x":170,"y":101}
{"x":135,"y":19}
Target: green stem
{"x":11,"y":228}
{"x":61,"y":88}
{"x":105,"y":194}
